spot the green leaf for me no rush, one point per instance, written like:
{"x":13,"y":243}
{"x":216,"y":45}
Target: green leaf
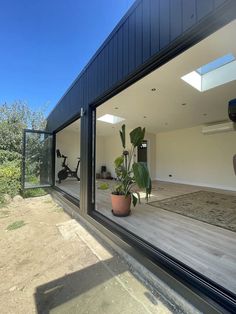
{"x":149,"y":189}
{"x":119,"y":161}
{"x":139,"y":198}
{"x":141,"y":175}
{"x":137,"y":136}
{"x":122,"y":135}
{"x":135,"y":200}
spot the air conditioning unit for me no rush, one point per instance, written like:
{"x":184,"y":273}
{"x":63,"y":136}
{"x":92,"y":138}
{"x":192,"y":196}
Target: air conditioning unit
{"x":219,"y":128}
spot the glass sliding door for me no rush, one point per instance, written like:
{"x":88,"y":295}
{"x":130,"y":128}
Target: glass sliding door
{"x":37,"y":159}
{"x":189,"y":148}
{"x":67,"y":157}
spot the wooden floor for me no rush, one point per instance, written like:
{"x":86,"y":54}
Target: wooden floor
{"x":207,"y":249}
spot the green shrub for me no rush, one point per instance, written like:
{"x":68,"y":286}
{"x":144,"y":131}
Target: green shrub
{"x":7,"y":156}
{"x":9,"y":179}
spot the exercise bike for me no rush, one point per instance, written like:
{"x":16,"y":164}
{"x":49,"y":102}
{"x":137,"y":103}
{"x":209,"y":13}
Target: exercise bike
{"x":66,"y":171}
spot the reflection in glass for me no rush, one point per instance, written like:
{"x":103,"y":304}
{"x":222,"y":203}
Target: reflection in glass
{"x":38,"y":160}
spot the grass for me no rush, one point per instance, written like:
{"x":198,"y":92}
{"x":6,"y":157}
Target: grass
{"x":2,"y":203}
{"x":4,"y":213}
{"x":58,"y":209}
{"x":16,"y":225}
{"x":34,"y":193}
{"x":48,"y":201}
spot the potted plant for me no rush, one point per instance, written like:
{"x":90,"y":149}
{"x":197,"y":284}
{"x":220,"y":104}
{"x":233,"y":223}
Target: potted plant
{"x":130,"y":175}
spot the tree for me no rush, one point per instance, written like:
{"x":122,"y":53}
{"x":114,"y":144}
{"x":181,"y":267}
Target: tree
{"x":13,"y":119}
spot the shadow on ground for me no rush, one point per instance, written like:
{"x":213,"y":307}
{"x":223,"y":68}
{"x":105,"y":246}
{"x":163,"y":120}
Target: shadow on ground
{"x":94,"y":289}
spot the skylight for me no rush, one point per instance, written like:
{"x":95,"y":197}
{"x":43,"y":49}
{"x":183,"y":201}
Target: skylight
{"x":108,"y":118}
{"x":217,"y":72}
{"x":215,"y":64}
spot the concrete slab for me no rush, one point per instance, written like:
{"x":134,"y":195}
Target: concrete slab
{"x":106,"y":286}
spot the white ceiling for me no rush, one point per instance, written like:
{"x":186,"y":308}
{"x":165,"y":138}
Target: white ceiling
{"x":162,"y":108}
{"x":74,"y":127}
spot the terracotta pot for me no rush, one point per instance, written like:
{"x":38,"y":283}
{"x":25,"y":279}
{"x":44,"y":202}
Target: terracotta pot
{"x":120,"y":205}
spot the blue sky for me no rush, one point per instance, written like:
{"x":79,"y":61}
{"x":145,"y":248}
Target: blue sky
{"x":44,"y":44}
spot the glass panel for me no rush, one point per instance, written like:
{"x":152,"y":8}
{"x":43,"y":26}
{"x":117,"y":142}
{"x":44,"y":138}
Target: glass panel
{"x":215,"y":64}
{"x":67,"y":166}
{"x":191,"y":212}
{"x":38,"y":159}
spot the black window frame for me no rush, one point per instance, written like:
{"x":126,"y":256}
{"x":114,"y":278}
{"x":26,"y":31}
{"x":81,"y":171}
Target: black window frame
{"x":219,"y":297}
{"x":66,"y":195}
{"x":25,"y":131}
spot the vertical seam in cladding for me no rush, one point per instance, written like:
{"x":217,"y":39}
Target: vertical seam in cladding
{"x":111,"y":58}
{"x":159,"y":24}
{"x":170,"y":21}
{"x":150,"y":29}
{"x":128,"y":70}
{"x":145,"y":25}
{"x":169,"y":39}
{"x":139,"y":35}
{"x":135,"y":36}
{"x":134,"y":42}
{"x":141,"y":30}
{"x":115,"y":57}
{"x":104,"y":69}
{"x":214,"y":5}
{"x":117,"y":71}
{"x":195,"y":8}
{"x":95,"y":78}
{"x":129,"y":42}
{"x":99,"y":73}
{"x":121,"y":49}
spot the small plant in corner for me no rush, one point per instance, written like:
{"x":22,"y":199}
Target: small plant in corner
{"x":130,"y":175}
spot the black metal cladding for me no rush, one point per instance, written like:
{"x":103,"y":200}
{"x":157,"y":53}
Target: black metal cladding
{"x":150,"y":34}
{"x":147,"y":28}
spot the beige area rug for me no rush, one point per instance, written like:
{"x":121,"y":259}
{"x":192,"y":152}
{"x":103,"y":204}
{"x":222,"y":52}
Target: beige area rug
{"x":214,"y":208}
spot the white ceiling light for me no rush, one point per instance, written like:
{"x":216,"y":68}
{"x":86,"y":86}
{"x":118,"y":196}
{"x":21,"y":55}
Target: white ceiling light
{"x":109,"y":118}
{"x":218,"y":72}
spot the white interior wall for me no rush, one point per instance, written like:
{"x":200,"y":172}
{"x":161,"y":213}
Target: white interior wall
{"x":69,"y":144}
{"x":193,"y":158}
{"x":100,"y":153}
{"x":112,"y":148}
{"x":188,"y":155}
{"x":151,"y":138}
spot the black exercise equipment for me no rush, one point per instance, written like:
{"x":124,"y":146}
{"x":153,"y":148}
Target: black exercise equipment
{"x":232,"y":110}
{"x":66,"y":171}
{"x":234,"y":163}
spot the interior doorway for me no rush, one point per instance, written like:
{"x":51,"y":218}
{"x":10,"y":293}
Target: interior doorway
{"x":142,"y":152}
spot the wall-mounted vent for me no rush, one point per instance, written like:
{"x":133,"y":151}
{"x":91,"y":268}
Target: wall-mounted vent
{"x":219,"y":128}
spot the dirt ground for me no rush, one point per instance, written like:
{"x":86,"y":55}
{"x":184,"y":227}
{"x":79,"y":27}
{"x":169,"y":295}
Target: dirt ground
{"x":31,"y":254}
{"x":46,"y":268}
